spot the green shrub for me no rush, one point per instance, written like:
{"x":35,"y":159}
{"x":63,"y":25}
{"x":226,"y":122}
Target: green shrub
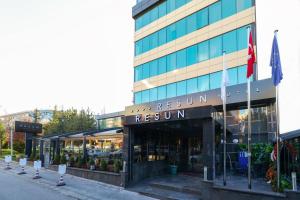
{"x":117,"y":166}
{"x":56,"y":159}
{"x":63,"y":159}
{"x":72,"y":161}
{"x":103,"y":165}
{"x":91,"y":161}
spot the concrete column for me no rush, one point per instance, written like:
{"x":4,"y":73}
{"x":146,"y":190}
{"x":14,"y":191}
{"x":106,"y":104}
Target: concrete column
{"x":209,"y":147}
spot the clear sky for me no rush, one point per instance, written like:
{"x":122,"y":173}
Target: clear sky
{"x":70,"y":53}
{"x":79,"y":53}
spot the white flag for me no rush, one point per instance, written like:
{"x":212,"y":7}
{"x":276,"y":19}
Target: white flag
{"x":225,"y":80}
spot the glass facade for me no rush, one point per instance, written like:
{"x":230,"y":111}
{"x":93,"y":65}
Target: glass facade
{"x":230,"y":42}
{"x":206,"y":82}
{"x":263,"y":131}
{"x":158,"y":11}
{"x":201,"y":18}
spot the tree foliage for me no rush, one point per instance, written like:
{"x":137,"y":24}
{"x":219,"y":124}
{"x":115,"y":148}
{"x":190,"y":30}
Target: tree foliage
{"x":2,"y":136}
{"x":70,"y":120}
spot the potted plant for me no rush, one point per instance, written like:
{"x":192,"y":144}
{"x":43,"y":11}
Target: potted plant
{"x":103,"y":165}
{"x":117,"y":166}
{"x":63,"y":159}
{"x":92,"y":164}
{"x":173,"y":166}
{"x":56,"y":159}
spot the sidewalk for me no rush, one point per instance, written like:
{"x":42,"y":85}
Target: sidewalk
{"x":76,"y":188}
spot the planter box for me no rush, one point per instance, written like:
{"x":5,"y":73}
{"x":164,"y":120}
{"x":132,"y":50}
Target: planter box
{"x":101,"y":176}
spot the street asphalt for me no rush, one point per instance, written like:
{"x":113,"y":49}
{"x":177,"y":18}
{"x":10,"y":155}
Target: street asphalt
{"x":23,"y":187}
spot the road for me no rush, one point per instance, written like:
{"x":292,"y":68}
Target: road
{"x":16,"y":187}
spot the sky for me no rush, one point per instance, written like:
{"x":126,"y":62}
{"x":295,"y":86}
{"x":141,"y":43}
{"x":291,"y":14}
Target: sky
{"x":69,"y":53}
{"x":79,"y":53}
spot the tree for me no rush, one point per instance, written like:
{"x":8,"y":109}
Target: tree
{"x":70,"y":121}
{"x":2,"y":136}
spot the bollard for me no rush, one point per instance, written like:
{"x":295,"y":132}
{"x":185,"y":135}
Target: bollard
{"x":7,"y":161}
{"x":205,"y":173}
{"x":37,"y":175}
{"x":61,"y":181}
{"x":37,"y":165}
{"x":61,"y":170}
{"x":22,"y":162}
{"x":294,"y":181}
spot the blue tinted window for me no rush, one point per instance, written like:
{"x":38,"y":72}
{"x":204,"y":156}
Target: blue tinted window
{"x":228,"y":8}
{"x":215,"y":80}
{"x":138,"y":23}
{"x":154,"y":14}
{"x":145,"y":96}
{"x":171,"y":90}
{"x":162,"y":65}
{"x":230,"y":42}
{"x":243,"y":4}
{"x":180,"y":3}
{"x":171,"y":5}
{"x":215,"y":47}
{"x":153,"y":68}
{"x":191,"y":22}
{"x":242,"y":74}
{"x":162,"y":37}
{"x":138,"y":73}
{"x":153,"y":40}
{"x":181,"y":88}
{"x":242,"y":35}
{"x":138,"y":47}
{"x":162,"y":9}
{"x":191,"y":54}
{"x":181,"y":58}
{"x":203,"y":83}
{"x":215,"y":13}
{"x":161,"y":92}
{"x":138,"y":98}
{"x":180,"y":28}
{"x":192,"y":85}
{"x":203,"y":51}
{"x":171,"y":32}
{"x":202,"y":18}
{"x":233,"y":76}
{"x":146,"y":70}
{"x":146,"y":44}
{"x":171,"y":62}
{"x":153,"y":94}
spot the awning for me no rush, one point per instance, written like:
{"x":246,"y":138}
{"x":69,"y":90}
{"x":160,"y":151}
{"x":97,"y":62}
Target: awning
{"x":108,"y":133}
{"x":290,"y":135}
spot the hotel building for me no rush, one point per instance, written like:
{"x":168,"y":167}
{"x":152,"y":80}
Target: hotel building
{"x":177,"y":114}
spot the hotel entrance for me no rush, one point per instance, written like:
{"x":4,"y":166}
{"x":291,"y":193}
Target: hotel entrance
{"x":155,"y":147}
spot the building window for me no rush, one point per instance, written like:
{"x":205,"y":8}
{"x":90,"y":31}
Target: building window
{"x":180,"y":28}
{"x":203,"y":83}
{"x":233,"y":76}
{"x":191,"y":53}
{"x":215,"y":80}
{"x":162,"y":37}
{"x":146,"y":70}
{"x":202,"y":18}
{"x":171,"y":62}
{"x":181,"y":88}
{"x":153,"y":94}
{"x":215,"y":47}
{"x":228,"y":8}
{"x":243,"y":4}
{"x":181,"y":58}
{"x":215,"y":12}
{"x":192,"y":85}
{"x":161,"y":92}
{"x":230,"y":42}
{"x":153,"y":68}
{"x":145,"y":96}
{"x":138,"y":98}
{"x":203,"y":51}
{"x":162,"y":65}
{"x":171,"y":32}
{"x":191,"y":22}
{"x":171,"y":90}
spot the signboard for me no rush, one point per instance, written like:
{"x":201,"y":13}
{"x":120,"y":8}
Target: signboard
{"x":23,"y":162}
{"x":7,"y":159}
{"x":62,"y":169}
{"x":37,"y":164}
{"x":28,"y":127}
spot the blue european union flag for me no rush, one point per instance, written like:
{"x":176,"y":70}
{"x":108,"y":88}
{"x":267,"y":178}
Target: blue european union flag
{"x":275,"y":63}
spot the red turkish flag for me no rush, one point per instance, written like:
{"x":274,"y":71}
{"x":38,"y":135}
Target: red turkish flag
{"x":251,"y":56}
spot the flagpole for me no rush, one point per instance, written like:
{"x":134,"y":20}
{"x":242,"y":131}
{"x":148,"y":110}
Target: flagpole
{"x":277,"y":131}
{"x":249,"y":124}
{"x":224,"y":127}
